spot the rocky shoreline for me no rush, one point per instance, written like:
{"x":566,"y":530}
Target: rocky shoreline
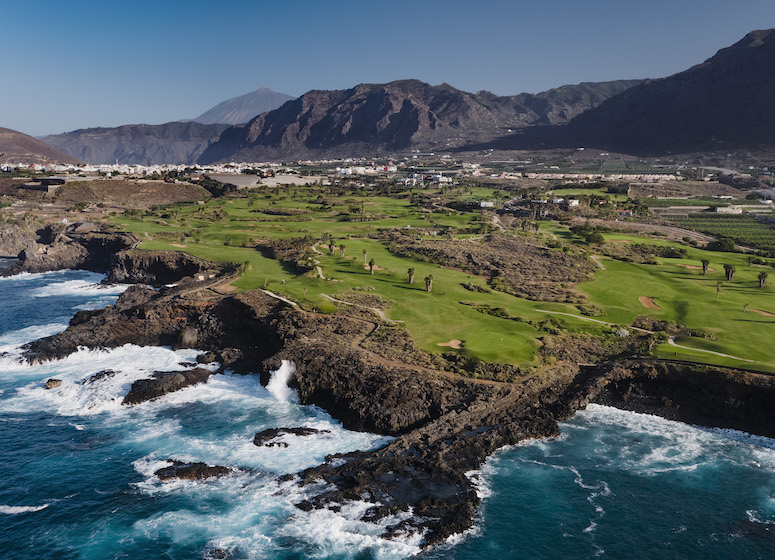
{"x":444,"y":425}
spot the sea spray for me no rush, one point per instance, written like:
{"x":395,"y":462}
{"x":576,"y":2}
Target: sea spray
{"x":278,"y":383}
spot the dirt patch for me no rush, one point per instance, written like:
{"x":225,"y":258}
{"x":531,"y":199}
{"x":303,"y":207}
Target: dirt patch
{"x":694,"y":267}
{"x":648,"y":302}
{"x":765,"y":313}
{"x":454,"y":343}
{"x":224,"y":287}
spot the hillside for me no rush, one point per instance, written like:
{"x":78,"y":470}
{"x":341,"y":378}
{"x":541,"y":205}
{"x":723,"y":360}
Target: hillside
{"x":374,"y":118}
{"x":17,"y":147}
{"x":725,"y":102}
{"x":242,"y":109}
{"x":142,"y":144}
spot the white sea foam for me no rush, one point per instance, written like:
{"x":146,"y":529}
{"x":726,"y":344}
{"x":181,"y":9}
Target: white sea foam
{"x":278,"y":382}
{"x":16,"y":510}
{"x":78,"y":288}
{"x":76,"y":396}
{"x":12,"y":340}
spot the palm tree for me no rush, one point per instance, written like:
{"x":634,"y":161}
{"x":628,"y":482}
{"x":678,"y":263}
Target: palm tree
{"x":705,"y":265}
{"x":331,"y":247}
{"x":371,"y":266}
{"x":364,"y":256}
{"x":411,"y":272}
{"x":762,"y":279}
{"x":718,"y":289}
{"x":729,"y":271}
{"x":429,"y":283}
{"x":342,"y":247}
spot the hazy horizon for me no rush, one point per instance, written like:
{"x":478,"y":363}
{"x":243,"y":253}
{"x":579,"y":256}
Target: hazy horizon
{"x":85,"y":64}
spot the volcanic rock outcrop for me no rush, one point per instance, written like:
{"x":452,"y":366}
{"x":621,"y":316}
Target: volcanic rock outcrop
{"x":444,"y":425}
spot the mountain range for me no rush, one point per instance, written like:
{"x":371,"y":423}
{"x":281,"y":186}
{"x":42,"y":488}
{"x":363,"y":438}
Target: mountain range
{"x":139,"y":144}
{"x":179,"y":142}
{"x":724,"y":102}
{"x":380,"y":118}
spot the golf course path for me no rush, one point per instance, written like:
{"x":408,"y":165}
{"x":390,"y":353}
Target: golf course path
{"x":590,"y":319}
{"x":600,"y":265}
{"x":376,"y":310}
{"x":671,"y":342}
{"x":281,"y":298}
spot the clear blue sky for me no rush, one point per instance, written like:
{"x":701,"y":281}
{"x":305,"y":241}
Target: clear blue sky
{"x":81,"y":63}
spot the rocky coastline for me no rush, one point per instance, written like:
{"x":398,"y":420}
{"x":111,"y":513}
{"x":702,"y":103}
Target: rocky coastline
{"x":444,"y":425}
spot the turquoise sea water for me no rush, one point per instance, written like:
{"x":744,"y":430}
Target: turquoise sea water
{"x":78,"y":468}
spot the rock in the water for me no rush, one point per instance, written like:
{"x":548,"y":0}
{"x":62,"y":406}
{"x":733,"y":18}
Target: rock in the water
{"x":99,"y":376}
{"x":163,"y":383}
{"x":191,"y":471}
{"x":52,"y":383}
{"x":266,"y":438}
{"x":206,"y":358}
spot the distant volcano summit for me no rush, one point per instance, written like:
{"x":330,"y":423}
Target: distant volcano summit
{"x":242,"y":109}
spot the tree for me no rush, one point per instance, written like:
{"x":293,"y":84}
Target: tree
{"x":411,"y":272}
{"x":342,"y":247}
{"x":718,"y":289}
{"x":705,"y":265}
{"x":364,"y":256}
{"x":371,"y":266}
{"x":729,"y":271}
{"x":762,"y":279}
{"x":429,"y":283}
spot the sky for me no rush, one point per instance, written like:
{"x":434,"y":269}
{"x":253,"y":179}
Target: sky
{"x":84,"y":63}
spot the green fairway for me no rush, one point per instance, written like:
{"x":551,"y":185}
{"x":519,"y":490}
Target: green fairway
{"x":225,"y":230}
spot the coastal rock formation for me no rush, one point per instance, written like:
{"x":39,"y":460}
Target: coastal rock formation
{"x":444,"y":425}
{"x":154,"y":268}
{"x":266,"y":438}
{"x":58,"y":248}
{"x":191,"y":471}
{"x":163,"y":383}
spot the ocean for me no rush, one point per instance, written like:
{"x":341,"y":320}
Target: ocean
{"x":78,"y":467}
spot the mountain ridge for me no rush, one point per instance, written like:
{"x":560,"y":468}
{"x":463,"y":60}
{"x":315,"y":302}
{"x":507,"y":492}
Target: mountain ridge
{"x":374,"y":118}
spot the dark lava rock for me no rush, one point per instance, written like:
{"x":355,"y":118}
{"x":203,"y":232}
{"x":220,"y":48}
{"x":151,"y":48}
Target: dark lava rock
{"x":52,"y":383}
{"x":191,"y":471}
{"x":266,"y":437}
{"x":206,"y":358}
{"x":99,"y":376}
{"x":163,"y":383}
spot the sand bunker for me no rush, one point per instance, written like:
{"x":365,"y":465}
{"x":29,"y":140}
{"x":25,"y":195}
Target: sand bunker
{"x":693,"y":267}
{"x":765,"y":313}
{"x":454,"y":343}
{"x":366,"y":266}
{"x":178,"y":245}
{"x":648,"y":302}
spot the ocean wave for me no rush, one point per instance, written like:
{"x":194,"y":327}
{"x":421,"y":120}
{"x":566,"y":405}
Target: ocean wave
{"x":16,"y":510}
{"x":10,"y":341}
{"x":79,"y":287}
